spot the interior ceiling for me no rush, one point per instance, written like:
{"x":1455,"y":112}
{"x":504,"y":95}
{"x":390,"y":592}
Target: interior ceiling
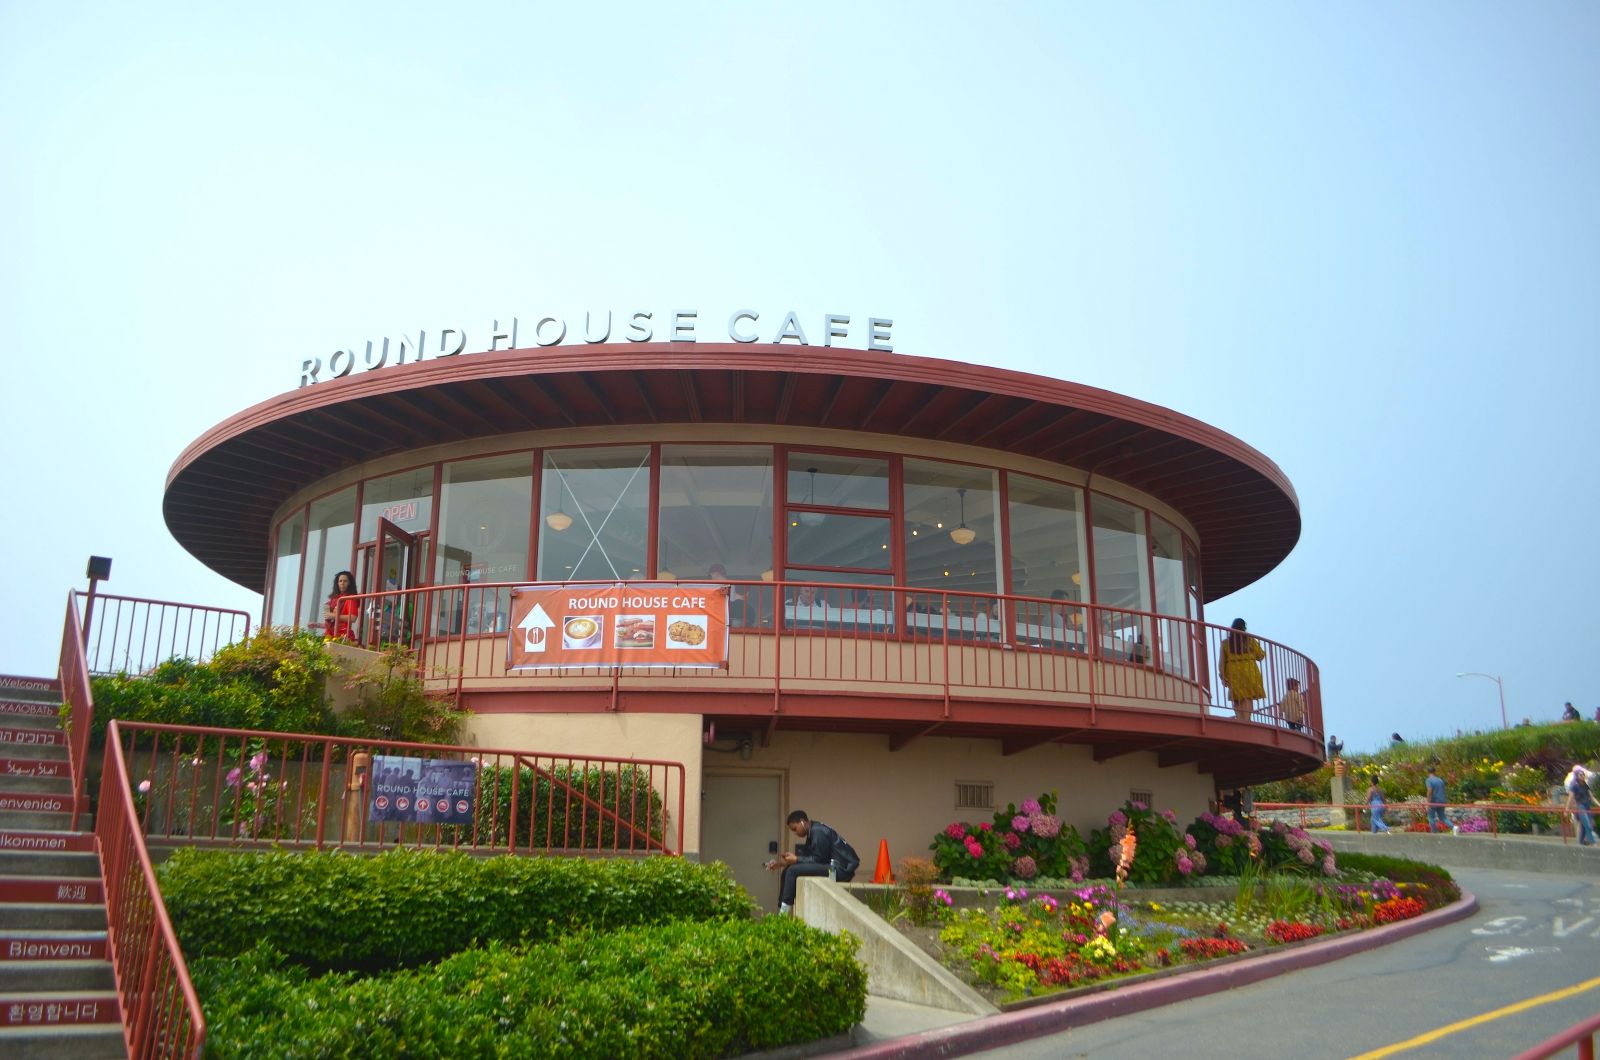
{"x":223,"y":490}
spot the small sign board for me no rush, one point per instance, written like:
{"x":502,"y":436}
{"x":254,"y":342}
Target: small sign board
{"x":423,"y":790}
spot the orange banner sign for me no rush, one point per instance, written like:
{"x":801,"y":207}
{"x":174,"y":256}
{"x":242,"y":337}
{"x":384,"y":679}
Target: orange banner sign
{"x":618,"y":625}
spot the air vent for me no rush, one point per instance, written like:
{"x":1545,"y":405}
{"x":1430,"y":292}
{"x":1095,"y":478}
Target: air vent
{"x":1146,"y":797}
{"x":974,"y":794}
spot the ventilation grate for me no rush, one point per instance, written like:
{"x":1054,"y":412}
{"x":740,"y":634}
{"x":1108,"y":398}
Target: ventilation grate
{"x":974,"y":794}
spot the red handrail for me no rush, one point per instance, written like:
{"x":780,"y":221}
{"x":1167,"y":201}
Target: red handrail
{"x":1582,"y":1035}
{"x":161,"y":1014}
{"x":241,"y":786}
{"x":933,"y":643}
{"x":132,"y":634}
{"x":79,"y":700}
{"x":1416,"y":810}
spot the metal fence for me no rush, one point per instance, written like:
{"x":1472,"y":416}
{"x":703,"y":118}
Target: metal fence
{"x":202,"y":785}
{"x":128,"y":634}
{"x":810,"y":636}
{"x":161,"y":1014}
{"x":1497,"y":818}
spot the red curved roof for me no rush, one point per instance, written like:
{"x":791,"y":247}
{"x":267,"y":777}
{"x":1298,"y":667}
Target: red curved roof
{"x":223,"y":489}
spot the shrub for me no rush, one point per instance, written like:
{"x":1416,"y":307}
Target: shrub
{"x":1431,"y":884}
{"x":405,"y":907}
{"x":1160,"y":844}
{"x":684,"y":989}
{"x":1024,"y":843}
{"x":392,"y":703}
{"x":274,"y":680}
{"x":917,"y":876}
{"x":569,"y":806}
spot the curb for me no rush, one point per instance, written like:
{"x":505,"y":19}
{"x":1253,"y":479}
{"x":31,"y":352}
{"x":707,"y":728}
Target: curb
{"x":1010,"y":1027}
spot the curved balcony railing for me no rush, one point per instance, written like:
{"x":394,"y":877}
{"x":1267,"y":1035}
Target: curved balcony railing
{"x":798,"y":637}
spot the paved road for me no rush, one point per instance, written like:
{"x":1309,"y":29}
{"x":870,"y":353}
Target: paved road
{"x":1440,"y":994}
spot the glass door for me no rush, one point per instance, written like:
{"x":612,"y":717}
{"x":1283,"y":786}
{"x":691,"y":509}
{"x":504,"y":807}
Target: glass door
{"x":398,"y":556}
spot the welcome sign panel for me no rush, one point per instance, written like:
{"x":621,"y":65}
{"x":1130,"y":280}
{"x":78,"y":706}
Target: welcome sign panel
{"x":618,"y":625}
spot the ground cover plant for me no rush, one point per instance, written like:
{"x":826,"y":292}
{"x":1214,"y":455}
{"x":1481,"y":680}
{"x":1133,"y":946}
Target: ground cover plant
{"x":1023,"y":943}
{"x":417,"y":953}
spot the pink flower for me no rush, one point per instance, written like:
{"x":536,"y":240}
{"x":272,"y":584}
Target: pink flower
{"x":144,"y":786}
{"x":1185,"y":866}
{"x":1188,"y":840}
{"x":1045,"y":825}
{"x":957,"y":830}
{"x":1025,"y":867}
{"x":1139,"y":805}
{"x":258,"y":760}
{"x":1171,"y":817}
{"x":1117,"y":819}
{"x":233,"y":777}
{"x":1013,"y":840}
{"x":986,"y":826}
{"x":973,"y":848}
{"x":1031,"y":806}
{"x":1328,"y":867}
{"x":1019,"y":823}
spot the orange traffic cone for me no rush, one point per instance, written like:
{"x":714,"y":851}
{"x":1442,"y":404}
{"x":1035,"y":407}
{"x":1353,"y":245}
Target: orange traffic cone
{"x":884,"y":874}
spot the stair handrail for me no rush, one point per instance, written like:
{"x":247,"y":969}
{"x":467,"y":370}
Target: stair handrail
{"x":161,"y":1014}
{"x":78,"y":699}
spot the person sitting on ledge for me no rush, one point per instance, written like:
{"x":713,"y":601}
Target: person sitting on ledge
{"x":823,"y":850}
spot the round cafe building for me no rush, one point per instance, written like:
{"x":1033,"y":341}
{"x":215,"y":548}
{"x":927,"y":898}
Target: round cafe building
{"x":889,"y":590}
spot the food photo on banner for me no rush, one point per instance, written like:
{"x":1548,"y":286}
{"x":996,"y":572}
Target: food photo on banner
{"x":618,"y":625}
{"x":422,"y":790}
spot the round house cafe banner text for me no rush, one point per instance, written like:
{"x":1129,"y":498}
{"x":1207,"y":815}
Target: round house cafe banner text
{"x":631,"y":624}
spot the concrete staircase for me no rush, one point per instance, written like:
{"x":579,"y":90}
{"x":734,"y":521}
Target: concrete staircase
{"x":57,"y":995}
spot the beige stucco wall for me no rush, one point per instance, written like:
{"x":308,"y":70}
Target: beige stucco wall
{"x":668,"y":737}
{"x":856,"y":784}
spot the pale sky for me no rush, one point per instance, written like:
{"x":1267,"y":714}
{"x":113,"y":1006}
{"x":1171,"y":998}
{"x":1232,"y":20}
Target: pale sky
{"x":1364,"y":238}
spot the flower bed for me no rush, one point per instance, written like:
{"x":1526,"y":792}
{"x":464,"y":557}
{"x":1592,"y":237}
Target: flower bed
{"x":1015,"y":944}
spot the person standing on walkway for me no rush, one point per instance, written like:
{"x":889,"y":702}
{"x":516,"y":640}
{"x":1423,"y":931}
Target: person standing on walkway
{"x":1580,"y":803}
{"x":1436,"y":800}
{"x":1376,"y":805}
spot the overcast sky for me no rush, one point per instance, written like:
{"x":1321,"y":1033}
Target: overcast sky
{"x":1364,"y":238}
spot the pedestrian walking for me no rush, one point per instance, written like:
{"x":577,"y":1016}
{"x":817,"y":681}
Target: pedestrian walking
{"x":1437,"y":820}
{"x":1580,"y":803}
{"x":1375,"y":803}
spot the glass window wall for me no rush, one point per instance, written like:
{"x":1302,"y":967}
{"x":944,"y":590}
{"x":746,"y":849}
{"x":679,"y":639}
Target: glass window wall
{"x":596,"y":509}
{"x":1121,"y":577}
{"x":328,"y":547}
{"x":839,"y":481}
{"x":286,"y":570}
{"x":1172,"y":597}
{"x":951,"y":534}
{"x":484,"y":508}
{"x":715,"y":521}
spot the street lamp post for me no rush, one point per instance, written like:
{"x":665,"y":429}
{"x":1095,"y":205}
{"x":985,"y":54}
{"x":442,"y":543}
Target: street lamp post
{"x":1505,"y":722}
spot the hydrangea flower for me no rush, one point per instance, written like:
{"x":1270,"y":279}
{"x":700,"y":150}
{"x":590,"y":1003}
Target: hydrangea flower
{"x":1118,"y":819}
{"x":957,"y":830}
{"x":1031,"y":807}
{"x":1185,"y":866}
{"x":1012,"y":840}
{"x":1019,"y":823}
{"x":1025,"y":868}
{"x":1172,"y":818}
{"x":1188,"y":840}
{"x":1045,"y":825}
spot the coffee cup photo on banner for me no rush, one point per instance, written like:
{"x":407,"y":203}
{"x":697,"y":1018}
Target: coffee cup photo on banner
{"x":672,"y":624}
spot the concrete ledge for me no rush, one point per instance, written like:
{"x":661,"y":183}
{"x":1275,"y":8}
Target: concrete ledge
{"x":1520,"y":853}
{"x":896,"y":967}
{"x":1050,"y":1018}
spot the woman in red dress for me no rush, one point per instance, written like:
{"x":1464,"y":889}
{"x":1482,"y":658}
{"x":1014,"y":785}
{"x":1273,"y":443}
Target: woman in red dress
{"x":340,"y":613}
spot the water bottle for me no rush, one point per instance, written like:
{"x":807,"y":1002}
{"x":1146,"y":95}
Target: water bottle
{"x":833,"y":871}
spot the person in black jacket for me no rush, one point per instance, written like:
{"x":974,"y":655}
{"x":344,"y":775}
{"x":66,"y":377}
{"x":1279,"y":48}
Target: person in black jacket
{"x":822,"y":849}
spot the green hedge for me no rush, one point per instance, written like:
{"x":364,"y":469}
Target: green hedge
{"x":406,"y":907}
{"x":679,"y":990}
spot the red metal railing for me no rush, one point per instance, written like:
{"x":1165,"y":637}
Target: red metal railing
{"x":79,"y":701}
{"x":161,"y":1014}
{"x":199,"y":785}
{"x":802,"y":636}
{"x":132,"y":635}
{"x":1407,"y":816}
{"x":1582,"y":1036}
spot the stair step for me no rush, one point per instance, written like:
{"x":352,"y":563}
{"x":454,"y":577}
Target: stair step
{"x":29,"y":687}
{"x":86,"y":974}
{"x":50,"y":916}
{"x":13,"y":737}
{"x":65,"y":890}
{"x":40,"y":842}
{"x":18,"y":1007}
{"x":36,"y":802}
{"x":84,"y":1041}
{"x":42,"y":784}
{"x":12,"y":820}
{"x":66,"y":864}
{"x":25,"y":762}
{"x":19,"y":714}
{"x":30,"y":947}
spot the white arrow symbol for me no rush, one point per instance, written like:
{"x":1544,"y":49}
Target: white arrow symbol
{"x":533,"y":625}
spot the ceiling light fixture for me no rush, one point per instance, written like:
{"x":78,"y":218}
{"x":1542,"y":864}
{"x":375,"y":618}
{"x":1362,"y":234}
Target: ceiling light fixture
{"x":812,"y":518}
{"x":963,"y":534}
{"x":559,"y":520}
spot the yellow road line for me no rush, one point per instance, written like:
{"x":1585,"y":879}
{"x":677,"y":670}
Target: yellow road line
{"x":1452,"y":1028}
